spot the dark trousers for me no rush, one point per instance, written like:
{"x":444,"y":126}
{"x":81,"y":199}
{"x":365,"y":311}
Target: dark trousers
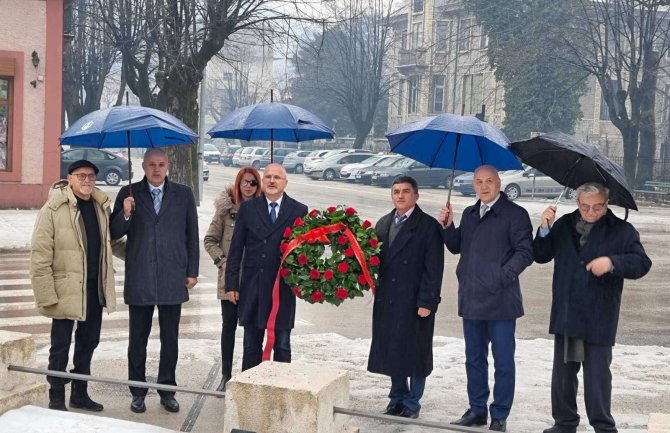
{"x":86,"y":338}
{"x":140,"y":318}
{"x":597,"y":387}
{"x":500,"y":334}
{"x":410,"y":395}
{"x":253,"y":346}
{"x":228,"y":327}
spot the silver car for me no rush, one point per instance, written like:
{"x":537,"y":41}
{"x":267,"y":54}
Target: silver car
{"x":518,"y":183}
{"x":294,"y":161}
{"x":329,"y":168}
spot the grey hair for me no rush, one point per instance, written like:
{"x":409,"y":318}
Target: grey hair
{"x":153,"y":150}
{"x":592,"y":188}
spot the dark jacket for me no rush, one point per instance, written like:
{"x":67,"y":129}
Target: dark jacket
{"x":585,"y":306}
{"x":161,"y":250}
{"x":494,"y":251}
{"x":257,"y":239}
{"x":410,"y":276}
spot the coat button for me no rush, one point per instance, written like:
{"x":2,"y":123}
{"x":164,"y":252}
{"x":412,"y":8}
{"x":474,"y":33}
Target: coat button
{"x":263,"y":255}
{"x":393,"y":280}
{"x":261,"y":270}
{"x":265,"y":241}
{"x":404,"y":262}
{"x":581,"y":262}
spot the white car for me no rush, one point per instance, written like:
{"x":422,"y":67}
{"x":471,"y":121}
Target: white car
{"x":518,"y":183}
{"x":211,"y":154}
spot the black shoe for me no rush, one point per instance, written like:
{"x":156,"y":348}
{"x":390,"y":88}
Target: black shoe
{"x":170,"y":404}
{"x":137,"y":405}
{"x":85,"y":403}
{"x":393,"y":409}
{"x":409,"y":413}
{"x":57,"y":398}
{"x":498,"y":424}
{"x":222,"y":385}
{"x":470,"y":418}
{"x":560,"y":429}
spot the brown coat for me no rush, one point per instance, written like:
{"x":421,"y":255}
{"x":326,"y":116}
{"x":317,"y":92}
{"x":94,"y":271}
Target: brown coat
{"x":220,"y":233}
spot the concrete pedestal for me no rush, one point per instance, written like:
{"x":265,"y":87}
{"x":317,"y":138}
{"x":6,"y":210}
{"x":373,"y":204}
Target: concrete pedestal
{"x":287,"y":398}
{"x":659,"y":423}
{"x":18,"y":389}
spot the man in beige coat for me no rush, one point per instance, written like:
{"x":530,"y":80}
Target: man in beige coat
{"x":72,"y":275}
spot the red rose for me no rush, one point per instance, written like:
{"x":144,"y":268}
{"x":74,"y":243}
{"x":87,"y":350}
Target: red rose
{"x":296,"y":290}
{"x":367,"y":224}
{"x":374,"y":243}
{"x":328,"y":275}
{"x":342,"y":267}
{"x":302,"y":259}
{"x":284,"y":272}
{"x":341,"y":293}
{"x":314,"y":213}
{"x":374,"y":261}
{"x":342,"y":240}
{"x":349,"y":252}
{"x":331,"y":209}
{"x":314,"y":274}
{"x":349,"y":211}
{"x":288,"y":232}
{"x":317,"y":296}
{"x":362,"y":280}
{"x":298,"y":222}
{"x":283,"y":247}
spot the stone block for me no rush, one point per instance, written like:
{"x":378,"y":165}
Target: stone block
{"x":277,"y":397}
{"x":659,"y":423}
{"x":18,"y":389}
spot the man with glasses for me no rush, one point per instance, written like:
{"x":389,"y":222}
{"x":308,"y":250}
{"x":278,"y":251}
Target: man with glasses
{"x":254,"y":254}
{"x":72,"y":276}
{"x":593,"y":251}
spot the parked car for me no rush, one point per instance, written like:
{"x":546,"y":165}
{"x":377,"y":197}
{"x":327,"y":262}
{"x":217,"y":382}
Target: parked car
{"x":253,"y":156}
{"x":211,"y":154}
{"x":238,"y":156}
{"x":349,"y":171}
{"x":329,"y":168}
{"x":424,"y":175}
{"x":227,"y":154}
{"x":205,"y":171}
{"x":364,"y":175}
{"x":517,"y":183}
{"x":294,"y":161}
{"x":314,"y":156}
{"x":113,"y":168}
{"x":324,"y":154}
{"x":279,"y":153}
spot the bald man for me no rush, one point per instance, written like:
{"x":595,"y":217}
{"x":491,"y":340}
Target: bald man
{"x":495,"y":241}
{"x":254,"y":255}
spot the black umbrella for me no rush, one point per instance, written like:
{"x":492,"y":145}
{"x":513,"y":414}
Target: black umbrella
{"x":572,"y":163}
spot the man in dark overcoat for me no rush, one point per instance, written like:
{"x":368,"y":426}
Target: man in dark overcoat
{"x":160,"y":222}
{"x":253,"y":263}
{"x":410,"y":279}
{"x":495,"y":241}
{"x":593,"y":251}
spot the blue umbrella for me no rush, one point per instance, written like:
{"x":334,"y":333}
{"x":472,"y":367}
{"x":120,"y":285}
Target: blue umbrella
{"x":271,"y":121}
{"x":453,"y":141}
{"x":127,"y":126}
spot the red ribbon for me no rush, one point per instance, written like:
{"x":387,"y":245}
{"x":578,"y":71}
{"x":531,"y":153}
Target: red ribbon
{"x":319,"y":234}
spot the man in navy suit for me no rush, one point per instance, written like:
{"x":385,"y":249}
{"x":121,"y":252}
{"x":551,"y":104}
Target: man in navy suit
{"x":160,"y":221}
{"x":495,"y":241}
{"x":253,"y":263}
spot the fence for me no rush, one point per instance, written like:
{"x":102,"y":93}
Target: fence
{"x":661,"y":169}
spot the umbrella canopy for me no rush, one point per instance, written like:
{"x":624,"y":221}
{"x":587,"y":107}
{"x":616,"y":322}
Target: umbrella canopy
{"x":453,"y":141}
{"x":127,"y":126}
{"x":572,"y":163}
{"x":271,"y":121}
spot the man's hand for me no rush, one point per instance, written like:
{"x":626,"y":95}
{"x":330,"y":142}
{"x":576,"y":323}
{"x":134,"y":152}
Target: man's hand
{"x":423,"y":312}
{"x":233,"y":296}
{"x":128,"y":206}
{"x":548,"y":217}
{"x":191,"y":282}
{"x":600,"y":266}
{"x":446,"y":217}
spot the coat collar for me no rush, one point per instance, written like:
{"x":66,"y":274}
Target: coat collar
{"x":405,"y":234}
{"x":261,"y":206}
{"x":61,"y":193}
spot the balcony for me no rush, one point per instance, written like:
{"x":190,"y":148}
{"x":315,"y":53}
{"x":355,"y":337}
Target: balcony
{"x":411,"y":62}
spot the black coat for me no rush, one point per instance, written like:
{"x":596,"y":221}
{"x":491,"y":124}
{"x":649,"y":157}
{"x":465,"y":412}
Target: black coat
{"x":585,"y":306}
{"x":494,"y":251}
{"x":254,"y":254}
{"x":161,"y":250}
{"x":410,"y":276}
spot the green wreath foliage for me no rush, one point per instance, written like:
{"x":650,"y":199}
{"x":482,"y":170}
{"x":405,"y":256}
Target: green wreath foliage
{"x":318,"y":274}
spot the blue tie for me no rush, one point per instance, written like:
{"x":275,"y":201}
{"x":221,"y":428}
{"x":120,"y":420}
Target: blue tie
{"x":157,"y":200}
{"x":273,"y":212}
{"x":399,"y":219}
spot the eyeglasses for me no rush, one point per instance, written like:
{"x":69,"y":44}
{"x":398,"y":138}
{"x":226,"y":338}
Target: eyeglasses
{"x":252,"y":182}
{"x":595,"y":208}
{"x":83,"y":176}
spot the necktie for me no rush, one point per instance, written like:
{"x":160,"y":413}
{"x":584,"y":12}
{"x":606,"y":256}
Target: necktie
{"x":399,"y":219}
{"x":482,"y":210}
{"x":157,"y":200}
{"x":273,"y":212}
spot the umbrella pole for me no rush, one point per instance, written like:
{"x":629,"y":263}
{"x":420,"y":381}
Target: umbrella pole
{"x":130,"y":168}
{"x":272,"y":145}
{"x":453,"y":169}
{"x":565,"y":189}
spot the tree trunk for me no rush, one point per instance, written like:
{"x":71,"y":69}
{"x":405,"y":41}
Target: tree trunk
{"x":630,"y":143}
{"x":647,"y":150}
{"x":362,"y":131}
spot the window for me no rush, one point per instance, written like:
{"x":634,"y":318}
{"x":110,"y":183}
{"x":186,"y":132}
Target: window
{"x":484,"y":39}
{"x":412,"y":94}
{"x":438,"y":93}
{"x":403,"y":40}
{"x":417,"y":35}
{"x":666,"y":105}
{"x":401,"y":96}
{"x":473,"y":92}
{"x":417,"y":6}
{"x":442,"y":35}
{"x":464,"y":34}
{"x":5,"y":113}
